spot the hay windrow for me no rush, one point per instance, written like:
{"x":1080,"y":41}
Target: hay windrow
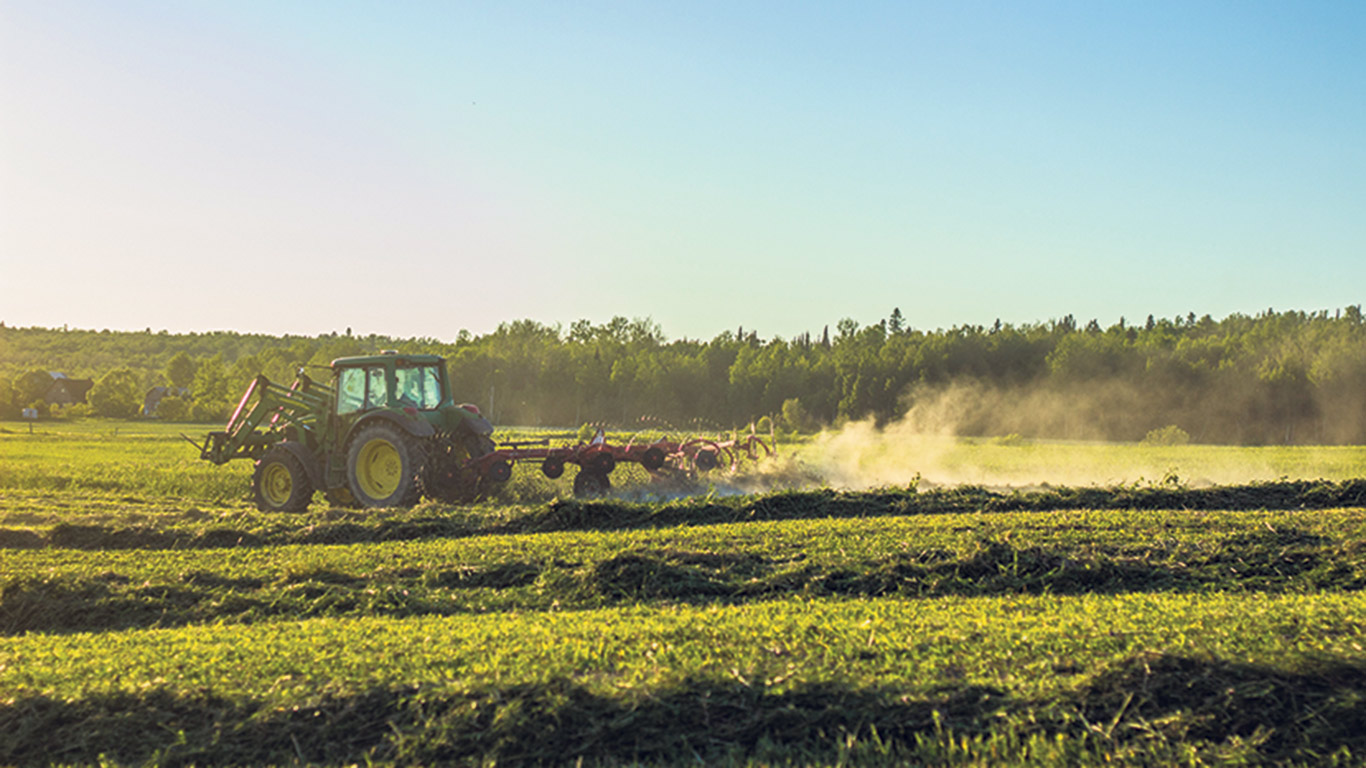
{"x":1143,"y":707}
{"x":1285,"y":560}
{"x":431,"y":522}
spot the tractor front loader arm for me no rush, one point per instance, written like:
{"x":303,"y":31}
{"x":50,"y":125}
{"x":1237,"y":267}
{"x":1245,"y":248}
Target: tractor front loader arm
{"x":263,"y":415}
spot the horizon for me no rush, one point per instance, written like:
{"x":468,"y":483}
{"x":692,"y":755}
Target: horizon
{"x":563,"y":328}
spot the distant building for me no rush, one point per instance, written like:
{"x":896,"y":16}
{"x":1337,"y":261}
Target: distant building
{"x":154,"y":395}
{"x":66,"y":390}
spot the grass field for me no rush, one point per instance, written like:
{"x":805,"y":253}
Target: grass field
{"x":148,"y":614}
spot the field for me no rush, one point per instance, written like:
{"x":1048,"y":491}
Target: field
{"x":149,"y":614}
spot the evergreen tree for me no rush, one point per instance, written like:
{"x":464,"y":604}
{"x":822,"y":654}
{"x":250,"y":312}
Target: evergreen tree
{"x":895,"y":323}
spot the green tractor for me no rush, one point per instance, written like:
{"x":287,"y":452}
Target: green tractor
{"x":383,"y":433}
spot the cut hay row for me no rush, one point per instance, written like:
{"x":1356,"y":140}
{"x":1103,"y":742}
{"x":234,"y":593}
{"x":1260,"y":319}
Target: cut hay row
{"x":1021,"y":553}
{"x":174,"y":529}
{"x":1146,"y":677}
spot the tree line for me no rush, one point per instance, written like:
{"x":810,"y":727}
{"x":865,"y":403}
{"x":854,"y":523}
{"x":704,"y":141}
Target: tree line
{"x":1273,"y":377}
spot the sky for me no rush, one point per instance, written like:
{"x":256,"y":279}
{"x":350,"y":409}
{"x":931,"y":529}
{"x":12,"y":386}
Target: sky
{"x":418,"y":168}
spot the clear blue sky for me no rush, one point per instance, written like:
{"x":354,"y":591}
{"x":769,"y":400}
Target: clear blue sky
{"x":417,"y":168}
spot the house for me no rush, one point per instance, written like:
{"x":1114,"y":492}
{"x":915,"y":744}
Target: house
{"x":66,"y":390}
{"x":154,"y":395}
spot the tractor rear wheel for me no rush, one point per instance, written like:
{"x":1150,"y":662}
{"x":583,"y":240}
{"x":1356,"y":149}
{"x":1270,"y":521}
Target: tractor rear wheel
{"x":280,"y":483}
{"x":446,"y":476}
{"x":383,"y":464}
{"x":589,"y":484}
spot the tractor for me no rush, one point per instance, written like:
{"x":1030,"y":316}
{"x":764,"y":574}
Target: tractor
{"x":383,"y":432}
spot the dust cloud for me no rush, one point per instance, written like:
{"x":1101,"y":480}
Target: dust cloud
{"x":1019,"y":437}
{"x":970,"y":434}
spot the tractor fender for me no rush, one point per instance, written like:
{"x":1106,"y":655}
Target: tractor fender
{"x":473,"y":421}
{"x":312,"y":465}
{"x":415,"y":427}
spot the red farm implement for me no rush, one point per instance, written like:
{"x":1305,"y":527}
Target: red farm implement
{"x":597,"y":458}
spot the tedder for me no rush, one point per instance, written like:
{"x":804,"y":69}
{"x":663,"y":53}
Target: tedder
{"x":386,"y":431}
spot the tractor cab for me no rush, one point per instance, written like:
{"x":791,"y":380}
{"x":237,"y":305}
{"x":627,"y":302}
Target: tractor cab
{"x":414,"y":386}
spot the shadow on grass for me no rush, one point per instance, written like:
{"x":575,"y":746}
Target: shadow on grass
{"x":1145,"y":706}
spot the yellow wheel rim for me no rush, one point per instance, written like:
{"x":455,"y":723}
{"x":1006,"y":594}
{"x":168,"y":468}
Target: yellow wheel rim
{"x":379,"y":469}
{"x":277,"y":484}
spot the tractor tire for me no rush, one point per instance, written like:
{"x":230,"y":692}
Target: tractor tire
{"x":280,"y":483}
{"x":446,"y":478}
{"x":590,"y":485}
{"x":383,"y":466}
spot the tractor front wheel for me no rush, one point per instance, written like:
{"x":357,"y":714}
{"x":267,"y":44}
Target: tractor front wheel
{"x":280,"y":483}
{"x":383,"y":465}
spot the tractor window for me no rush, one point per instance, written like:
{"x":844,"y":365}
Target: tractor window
{"x":350,"y":390}
{"x":377,"y":394}
{"x":419,"y":386}
{"x":431,"y":387}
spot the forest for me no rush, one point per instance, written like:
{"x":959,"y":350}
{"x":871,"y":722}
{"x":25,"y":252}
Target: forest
{"x":1277,"y":377}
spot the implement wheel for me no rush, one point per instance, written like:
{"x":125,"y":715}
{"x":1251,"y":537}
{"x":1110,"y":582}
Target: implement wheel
{"x":589,"y":484}
{"x":280,"y":483}
{"x":706,"y":460}
{"x":653,"y":458}
{"x":499,"y":472}
{"x":383,"y":465}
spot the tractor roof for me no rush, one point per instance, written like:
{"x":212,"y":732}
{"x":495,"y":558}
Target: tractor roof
{"x":386,"y":357}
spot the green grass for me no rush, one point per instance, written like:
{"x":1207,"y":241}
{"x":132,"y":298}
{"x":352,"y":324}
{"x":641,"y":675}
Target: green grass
{"x":1000,"y":671}
{"x":909,"y":643}
{"x":961,"y":554}
{"x":149,"y":614}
